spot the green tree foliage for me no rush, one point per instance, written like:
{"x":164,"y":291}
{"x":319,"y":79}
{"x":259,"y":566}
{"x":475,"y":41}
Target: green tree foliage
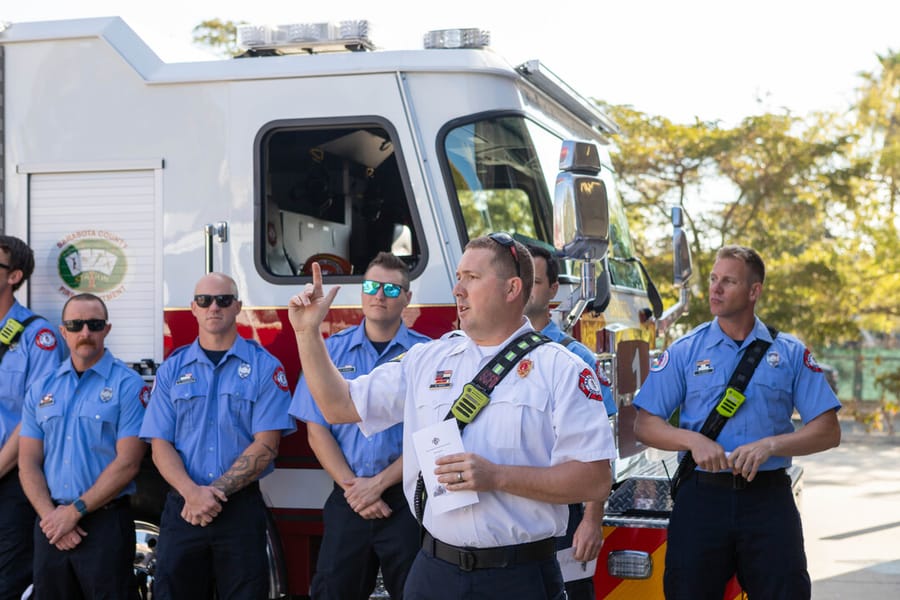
{"x":798,"y":190}
{"x":219,"y":36}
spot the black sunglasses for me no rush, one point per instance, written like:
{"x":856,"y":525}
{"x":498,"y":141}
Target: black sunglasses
{"x":206,"y":300}
{"x":75,"y":325}
{"x":506,"y":240}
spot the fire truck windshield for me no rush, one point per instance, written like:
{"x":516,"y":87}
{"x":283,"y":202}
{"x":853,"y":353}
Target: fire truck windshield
{"x":503,"y":169}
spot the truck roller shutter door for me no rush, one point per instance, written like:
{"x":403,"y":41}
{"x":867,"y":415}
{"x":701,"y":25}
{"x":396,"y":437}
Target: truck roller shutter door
{"x":99,"y":231}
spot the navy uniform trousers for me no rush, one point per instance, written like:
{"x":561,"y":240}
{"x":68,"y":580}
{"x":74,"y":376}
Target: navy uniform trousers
{"x":16,"y":541}
{"x":353,"y":549}
{"x":716,"y":531}
{"x":229,"y":553}
{"x":100,"y":567}
{"x":434,"y":579}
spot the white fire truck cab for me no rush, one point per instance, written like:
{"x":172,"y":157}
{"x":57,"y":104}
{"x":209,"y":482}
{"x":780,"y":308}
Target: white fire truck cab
{"x":130,"y":178}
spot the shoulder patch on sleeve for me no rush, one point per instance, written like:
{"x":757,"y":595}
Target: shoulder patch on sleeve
{"x":601,"y":374}
{"x":144,"y":396}
{"x":810,"y":362}
{"x":45,"y":339}
{"x":280,"y":378}
{"x":587,"y":383}
{"x":660,"y":362}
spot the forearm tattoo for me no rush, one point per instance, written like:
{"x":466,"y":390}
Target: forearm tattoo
{"x":246,"y":468}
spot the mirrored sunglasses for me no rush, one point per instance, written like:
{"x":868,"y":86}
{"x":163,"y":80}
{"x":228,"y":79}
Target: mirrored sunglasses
{"x":391,"y":290}
{"x":75,"y":325}
{"x":206,"y":300}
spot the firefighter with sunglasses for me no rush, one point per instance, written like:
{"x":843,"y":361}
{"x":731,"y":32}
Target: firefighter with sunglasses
{"x":216,"y":416}
{"x":79,"y":453}
{"x":367,"y":521}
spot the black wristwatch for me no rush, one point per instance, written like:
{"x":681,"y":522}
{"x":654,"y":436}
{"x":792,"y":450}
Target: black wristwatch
{"x":80,"y":507}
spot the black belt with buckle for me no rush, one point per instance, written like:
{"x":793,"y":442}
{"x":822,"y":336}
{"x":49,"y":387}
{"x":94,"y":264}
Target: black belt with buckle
{"x":498,"y":557}
{"x":763,"y":479}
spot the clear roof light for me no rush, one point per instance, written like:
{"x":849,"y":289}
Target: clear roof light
{"x":253,"y":36}
{"x":308,"y":38}
{"x":311,"y":32}
{"x":352,"y":30}
{"x":457,"y":38}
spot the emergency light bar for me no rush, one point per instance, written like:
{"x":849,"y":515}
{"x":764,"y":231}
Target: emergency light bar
{"x":548,"y":82}
{"x":309,"y":38}
{"x":445,"y":39}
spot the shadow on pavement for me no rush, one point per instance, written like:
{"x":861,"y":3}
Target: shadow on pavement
{"x":867,"y":583}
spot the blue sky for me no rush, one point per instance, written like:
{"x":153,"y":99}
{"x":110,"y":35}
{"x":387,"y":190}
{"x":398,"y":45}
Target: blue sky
{"x":711,"y":59}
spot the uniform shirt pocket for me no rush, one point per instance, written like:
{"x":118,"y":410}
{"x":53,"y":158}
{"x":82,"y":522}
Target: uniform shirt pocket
{"x":49,"y":417}
{"x":703,"y":393}
{"x":777,"y":404}
{"x":99,"y":421}
{"x":188,"y":400}
{"x":240,"y":401}
{"x":12,"y":380}
{"x":513,"y":416}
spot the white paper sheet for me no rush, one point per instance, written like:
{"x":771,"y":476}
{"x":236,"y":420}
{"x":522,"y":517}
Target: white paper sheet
{"x":573,"y":570}
{"x":432,"y":443}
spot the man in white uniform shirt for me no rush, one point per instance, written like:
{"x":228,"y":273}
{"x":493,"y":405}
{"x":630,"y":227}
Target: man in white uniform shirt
{"x":536,"y":447}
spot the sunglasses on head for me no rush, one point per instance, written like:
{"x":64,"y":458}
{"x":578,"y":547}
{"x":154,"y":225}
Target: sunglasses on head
{"x":75,"y":325}
{"x":391,"y":290}
{"x":506,"y":240}
{"x":206,"y":300}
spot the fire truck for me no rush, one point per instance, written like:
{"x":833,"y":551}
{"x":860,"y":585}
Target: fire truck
{"x":131,"y":178}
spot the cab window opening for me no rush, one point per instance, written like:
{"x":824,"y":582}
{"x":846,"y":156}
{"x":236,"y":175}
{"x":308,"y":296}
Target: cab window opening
{"x":333,"y":195}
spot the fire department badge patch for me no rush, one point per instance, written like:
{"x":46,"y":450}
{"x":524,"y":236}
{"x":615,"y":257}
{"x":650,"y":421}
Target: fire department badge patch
{"x":45,"y":339}
{"x":144,"y":396}
{"x":524,"y":367}
{"x":773,"y":359}
{"x":660,"y":362}
{"x":280,"y":379}
{"x":602,"y":377}
{"x":810,"y":362}
{"x":587,"y":383}
{"x":244,"y":370}
{"x":106,"y":394}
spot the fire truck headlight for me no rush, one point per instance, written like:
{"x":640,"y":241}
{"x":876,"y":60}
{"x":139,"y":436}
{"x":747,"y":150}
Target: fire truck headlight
{"x":629,"y":564}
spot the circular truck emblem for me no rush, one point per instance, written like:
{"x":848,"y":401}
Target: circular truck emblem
{"x":93,"y":261}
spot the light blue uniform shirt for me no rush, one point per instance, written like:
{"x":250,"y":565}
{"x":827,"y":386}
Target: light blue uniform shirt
{"x":354,"y":355}
{"x":80,"y":419}
{"x":35,"y":354}
{"x":556,"y":334}
{"x":210,"y":413}
{"x":694,"y":372}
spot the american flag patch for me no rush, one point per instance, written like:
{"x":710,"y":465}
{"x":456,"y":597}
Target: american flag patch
{"x":441,"y":380}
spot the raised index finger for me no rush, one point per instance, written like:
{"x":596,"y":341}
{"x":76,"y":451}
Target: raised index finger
{"x":317,"y":280}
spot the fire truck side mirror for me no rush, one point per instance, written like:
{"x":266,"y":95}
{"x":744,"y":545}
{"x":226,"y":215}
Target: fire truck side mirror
{"x":580,"y":204}
{"x":683,"y":269}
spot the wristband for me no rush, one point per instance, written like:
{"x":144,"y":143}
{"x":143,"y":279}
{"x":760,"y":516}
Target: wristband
{"x":80,"y":507}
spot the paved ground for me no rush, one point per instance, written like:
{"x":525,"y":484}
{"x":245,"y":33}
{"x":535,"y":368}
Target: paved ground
{"x":851,"y":517}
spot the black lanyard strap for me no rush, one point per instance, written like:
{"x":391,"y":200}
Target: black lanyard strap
{"x":731,"y":401}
